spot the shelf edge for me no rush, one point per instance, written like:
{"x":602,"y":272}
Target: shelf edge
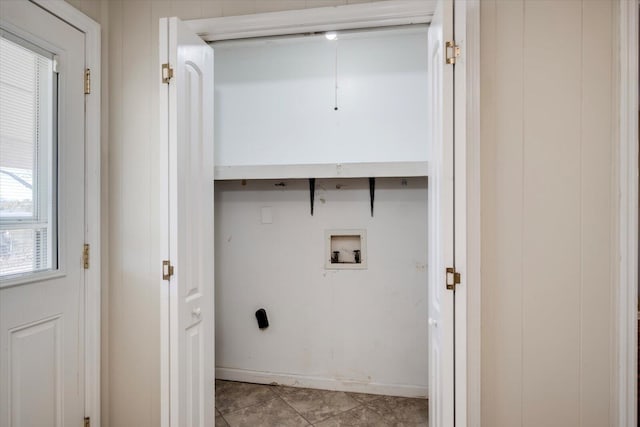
{"x":324,"y":170}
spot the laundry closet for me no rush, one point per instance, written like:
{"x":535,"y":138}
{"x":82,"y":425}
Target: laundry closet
{"x":322,"y":148}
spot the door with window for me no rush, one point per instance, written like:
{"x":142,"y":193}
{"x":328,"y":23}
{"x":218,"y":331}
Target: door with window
{"x":42,"y":217}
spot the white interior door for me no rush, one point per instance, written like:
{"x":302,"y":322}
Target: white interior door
{"x":441,"y":251}
{"x":41,"y":218}
{"x":188,"y":318}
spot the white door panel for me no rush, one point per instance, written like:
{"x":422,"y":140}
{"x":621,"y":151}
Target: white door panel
{"x":41,"y":280}
{"x":441,"y":300}
{"x":36,"y":364}
{"x":189,"y":172}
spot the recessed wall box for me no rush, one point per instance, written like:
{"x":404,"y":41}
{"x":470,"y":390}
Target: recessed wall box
{"x":345,"y":249}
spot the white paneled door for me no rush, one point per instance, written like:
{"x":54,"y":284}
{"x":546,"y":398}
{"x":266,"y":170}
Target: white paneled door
{"x":42,"y":218}
{"x":441,"y":221}
{"x":187,"y":166}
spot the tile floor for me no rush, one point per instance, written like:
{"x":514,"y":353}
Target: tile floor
{"x":254,"y":405}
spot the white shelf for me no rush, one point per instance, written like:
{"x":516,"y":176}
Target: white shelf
{"x":327,"y":170}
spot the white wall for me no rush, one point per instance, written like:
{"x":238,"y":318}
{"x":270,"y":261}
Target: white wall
{"x":276,"y":98}
{"x":546,"y":328}
{"x":327,"y":327}
{"x":548,"y":116}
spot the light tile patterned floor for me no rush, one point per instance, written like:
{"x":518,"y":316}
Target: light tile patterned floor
{"x":255,"y":405}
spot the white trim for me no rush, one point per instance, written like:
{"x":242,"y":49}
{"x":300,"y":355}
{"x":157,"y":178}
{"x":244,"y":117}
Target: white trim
{"x":91,"y":29}
{"x":469,"y":297}
{"x":163,"y":116}
{"x":467,"y":212}
{"x":323,"y":170}
{"x":460,"y":211}
{"x":353,"y":16}
{"x":354,"y":386}
{"x":626,"y":303}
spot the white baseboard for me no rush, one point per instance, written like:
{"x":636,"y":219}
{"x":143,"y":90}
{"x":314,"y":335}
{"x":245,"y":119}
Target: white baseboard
{"x":243,"y":375}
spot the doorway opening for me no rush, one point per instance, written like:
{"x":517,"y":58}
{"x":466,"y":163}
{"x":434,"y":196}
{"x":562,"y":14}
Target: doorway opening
{"x":339,"y":263}
{"x":187,"y":64}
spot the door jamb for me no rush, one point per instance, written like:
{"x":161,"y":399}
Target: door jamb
{"x":92,"y":235}
{"x":468,"y":296}
{"x":467,"y":214}
{"x":625,"y":365}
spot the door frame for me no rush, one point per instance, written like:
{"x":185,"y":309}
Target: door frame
{"x":92,"y":234}
{"x":467,"y":216}
{"x":625,"y":366}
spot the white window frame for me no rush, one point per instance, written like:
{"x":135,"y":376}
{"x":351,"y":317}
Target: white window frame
{"x":44,"y":214}
{"x":91,"y":30}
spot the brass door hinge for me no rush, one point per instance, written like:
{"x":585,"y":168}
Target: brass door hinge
{"x":452,"y":52}
{"x":167,"y":73}
{"x":167,"y":270}
{"x":453,"y":278}
{"x":87,"y":81}
{"x":87,"y":422}
{"x":85,"y":256}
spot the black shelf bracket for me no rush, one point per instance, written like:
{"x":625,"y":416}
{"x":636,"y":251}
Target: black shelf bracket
{"x":312,"y":192}
{"x":372,"y":192}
